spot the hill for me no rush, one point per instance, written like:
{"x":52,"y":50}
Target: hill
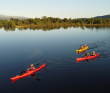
{"x":14,"y":17}
{"x":104,"y":16}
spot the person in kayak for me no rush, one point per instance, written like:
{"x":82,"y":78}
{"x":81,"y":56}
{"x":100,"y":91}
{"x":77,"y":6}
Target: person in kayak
{"x":93,"y":53}
{"x":31,"y":68}
{"x":87,"y":55}
{"x":81,"y":47}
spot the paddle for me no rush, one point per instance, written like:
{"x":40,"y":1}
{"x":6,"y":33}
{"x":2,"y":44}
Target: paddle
{"x":37,"y":79}
{"x":37,"y":64}
{"x":33,"y":76}
{"x":80,"y":47}
{"x":22,"y":72}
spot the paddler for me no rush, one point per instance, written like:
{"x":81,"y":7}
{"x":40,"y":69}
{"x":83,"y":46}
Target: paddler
{"x":93,"y":53}
{"x":81,"y":47}
{"x":31,"y":68}
{"x":87,"y":55}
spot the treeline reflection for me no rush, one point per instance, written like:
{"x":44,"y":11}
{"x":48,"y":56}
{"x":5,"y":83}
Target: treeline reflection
{"x":46,"y":28}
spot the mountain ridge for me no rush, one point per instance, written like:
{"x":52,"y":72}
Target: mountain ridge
{"x":22,"y":17}
{"x":104,"y":16}
{"x":14,"y":17}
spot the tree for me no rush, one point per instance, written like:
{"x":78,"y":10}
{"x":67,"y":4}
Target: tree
{"x":92,"y":20}
{"x":5,"y":23}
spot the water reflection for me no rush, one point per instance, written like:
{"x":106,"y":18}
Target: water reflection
{"x":9,"y":29}
{"x":80,"y":52}
{"x":48,"y":28}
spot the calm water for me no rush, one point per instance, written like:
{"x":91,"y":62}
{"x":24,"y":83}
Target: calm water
{"x":56,"y":48}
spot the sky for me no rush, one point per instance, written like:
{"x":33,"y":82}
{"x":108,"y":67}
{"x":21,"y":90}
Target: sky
{"x":55,"y":8}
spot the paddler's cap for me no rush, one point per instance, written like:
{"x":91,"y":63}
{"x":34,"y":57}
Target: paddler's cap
{"x":31,"y":65}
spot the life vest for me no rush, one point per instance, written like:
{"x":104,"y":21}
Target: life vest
{"x":32,"y":68}
{"x":87,"y":55}
{"x":82,"y":47}
{"x":93,"y":54}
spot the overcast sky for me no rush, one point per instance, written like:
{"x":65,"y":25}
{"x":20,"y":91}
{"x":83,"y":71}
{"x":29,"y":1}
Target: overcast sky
{"x":55,"y":8}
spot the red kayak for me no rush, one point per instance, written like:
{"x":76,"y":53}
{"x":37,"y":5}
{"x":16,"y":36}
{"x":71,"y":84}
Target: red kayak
{"x":27,"y":73}
{"x":86,"y":58}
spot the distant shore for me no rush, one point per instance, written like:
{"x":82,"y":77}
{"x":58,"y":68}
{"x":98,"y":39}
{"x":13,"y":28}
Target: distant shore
{"x":54,"y":22}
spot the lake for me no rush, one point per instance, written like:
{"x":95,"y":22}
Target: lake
{"x":57,"y":48}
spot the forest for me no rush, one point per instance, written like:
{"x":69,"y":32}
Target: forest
{"x":51,"y":21}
